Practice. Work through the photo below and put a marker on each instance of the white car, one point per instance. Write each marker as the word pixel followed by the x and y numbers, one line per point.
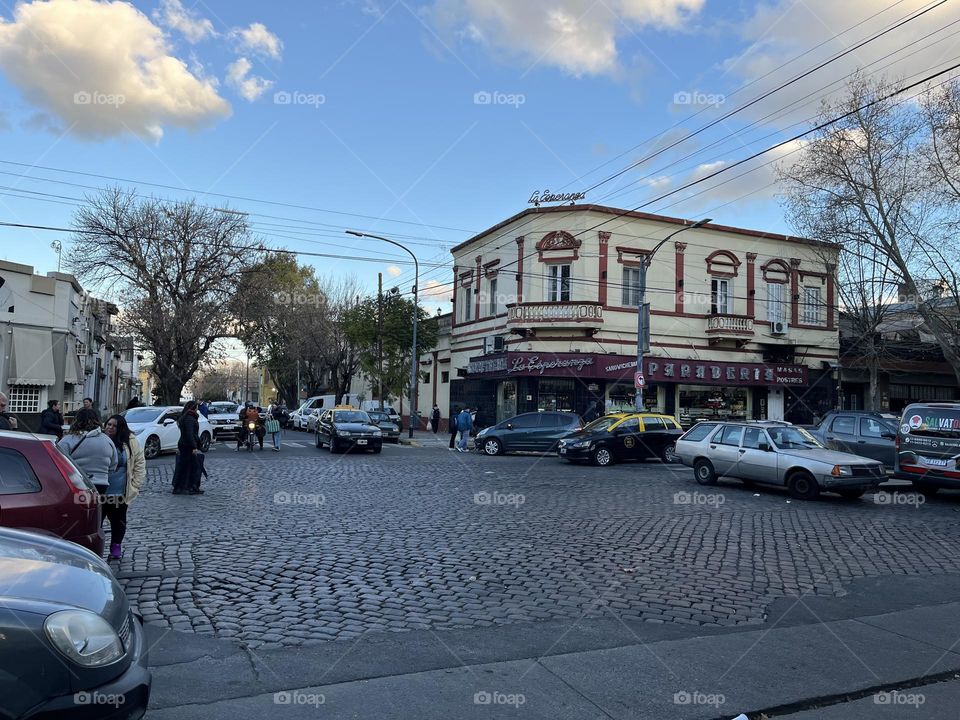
pixel 224 417
pixel 157 430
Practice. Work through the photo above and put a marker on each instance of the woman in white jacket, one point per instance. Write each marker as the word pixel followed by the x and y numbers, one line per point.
pixel 125 481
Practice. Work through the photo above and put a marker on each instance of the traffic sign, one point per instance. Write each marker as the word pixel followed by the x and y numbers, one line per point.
pixel 639 381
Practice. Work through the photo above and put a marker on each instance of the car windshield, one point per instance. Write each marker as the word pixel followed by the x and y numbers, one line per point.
pixel 142 415
pixel 350 416
pixel 933 422
pixel 224 407
pixel 601 424
pixel 378 416
pixel 792 438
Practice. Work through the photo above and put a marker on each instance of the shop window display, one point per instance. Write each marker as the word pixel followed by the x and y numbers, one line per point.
pixel 712 404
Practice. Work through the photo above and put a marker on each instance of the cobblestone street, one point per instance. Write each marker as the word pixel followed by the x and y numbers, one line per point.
pixel 306 547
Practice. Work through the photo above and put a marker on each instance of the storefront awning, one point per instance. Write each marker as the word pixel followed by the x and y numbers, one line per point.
pixel 72 371
pixel 31 362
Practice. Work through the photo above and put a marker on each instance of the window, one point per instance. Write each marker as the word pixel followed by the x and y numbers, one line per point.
pixel 24 399
pixel 558 283
pixel 843 425
pixel 530 420
pixel 630 425
pixel 872 428
pixel 445 376
pixel 811 305
pixel 721 302
pixel 731 435
pixel 16 476
pixel 493 301
pixel 426 378
pixel 775 307
pixel 699 432
pixel 466 302
pixel 631 287
pixel 752 437
pixel 652 424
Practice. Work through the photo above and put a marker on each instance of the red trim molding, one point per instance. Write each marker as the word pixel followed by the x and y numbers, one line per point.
pixel 679 252
pixel 773 269
pixel 453 299
pixel 831 296
pixel 476 289
pixel 723 263
pixel 751 284
pixel 602 280
pixel 634 256
pixel 794 291
pixel 558 241
pixel 519 242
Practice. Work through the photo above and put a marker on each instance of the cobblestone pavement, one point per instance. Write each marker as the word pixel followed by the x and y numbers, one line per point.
pixel 300 549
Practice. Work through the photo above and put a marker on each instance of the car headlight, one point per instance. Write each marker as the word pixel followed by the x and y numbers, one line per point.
pixel 343 433
pixel 377 433
pixel 84 638
pixel 579 444
pixel 841 471
pixel 139 431
pixel 482 432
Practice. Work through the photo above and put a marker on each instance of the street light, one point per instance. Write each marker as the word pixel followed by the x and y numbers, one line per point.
pixel 414 358
pixel 643 310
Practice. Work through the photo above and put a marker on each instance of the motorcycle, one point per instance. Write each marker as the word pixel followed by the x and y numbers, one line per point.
pixel 251 435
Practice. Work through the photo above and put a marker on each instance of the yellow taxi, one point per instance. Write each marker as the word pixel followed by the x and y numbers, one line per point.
pixel 623 436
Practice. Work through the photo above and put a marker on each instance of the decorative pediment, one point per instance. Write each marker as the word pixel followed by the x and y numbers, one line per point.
pixel 559 240
pixel 722 263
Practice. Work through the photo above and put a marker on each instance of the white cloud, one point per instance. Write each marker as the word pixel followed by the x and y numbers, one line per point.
pixel 249 86
pixel 394 271
pixel 436 289
pixel 103 69
pixel 578 36
pixel 257 39
pixel 172 14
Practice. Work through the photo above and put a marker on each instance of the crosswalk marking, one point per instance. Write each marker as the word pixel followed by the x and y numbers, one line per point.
pixel 293 444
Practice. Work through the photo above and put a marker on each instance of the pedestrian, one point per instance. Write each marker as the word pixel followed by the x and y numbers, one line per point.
pixel 204 408
pixel 435 418
pixel 51 420
pixel 7 421
pixel 464 425
pixel 273 427
pixel 90 449
pixel 124 482
pixel 187 447
pixel 452 429
pixel 88 405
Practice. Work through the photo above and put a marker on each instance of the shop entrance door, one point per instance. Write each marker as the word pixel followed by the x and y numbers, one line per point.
pixel 507 400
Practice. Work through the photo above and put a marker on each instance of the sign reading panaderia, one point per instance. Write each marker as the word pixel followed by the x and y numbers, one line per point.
pixel 548 197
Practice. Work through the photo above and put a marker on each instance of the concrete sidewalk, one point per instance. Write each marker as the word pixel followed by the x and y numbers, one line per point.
pixel 895 664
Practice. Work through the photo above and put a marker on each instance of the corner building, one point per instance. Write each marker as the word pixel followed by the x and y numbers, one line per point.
pixel 743 323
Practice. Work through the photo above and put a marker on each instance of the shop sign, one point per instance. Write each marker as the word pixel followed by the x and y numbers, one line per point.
pixel 481 367
pixel 692 372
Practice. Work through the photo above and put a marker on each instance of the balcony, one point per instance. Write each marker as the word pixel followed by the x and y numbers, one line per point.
pixel 573 314
pixel 739 327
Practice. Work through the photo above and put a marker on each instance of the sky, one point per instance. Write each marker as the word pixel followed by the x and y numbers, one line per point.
pixel 424 120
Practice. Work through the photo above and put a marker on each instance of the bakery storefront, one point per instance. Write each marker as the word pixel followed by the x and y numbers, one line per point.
pixel 507 384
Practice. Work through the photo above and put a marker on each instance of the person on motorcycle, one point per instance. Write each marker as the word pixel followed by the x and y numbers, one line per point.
pixel 249 414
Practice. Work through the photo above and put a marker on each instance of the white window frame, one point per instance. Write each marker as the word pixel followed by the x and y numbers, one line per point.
pixel 493 300
pixel 776 307
pixel 631 287
pixel 555 285
pixel 812 302
pixel 721 288
pixel 466 313
pixel 24 398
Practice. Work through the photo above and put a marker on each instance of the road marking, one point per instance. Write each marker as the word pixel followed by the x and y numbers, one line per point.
pixel 293 444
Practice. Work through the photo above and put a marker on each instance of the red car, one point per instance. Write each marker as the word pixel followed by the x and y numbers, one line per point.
pixel 43 491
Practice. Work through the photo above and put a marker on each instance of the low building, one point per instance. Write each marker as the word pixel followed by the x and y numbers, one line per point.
pixel 743 323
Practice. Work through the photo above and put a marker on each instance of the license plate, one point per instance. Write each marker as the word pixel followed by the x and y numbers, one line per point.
pixel 563 451
pixel 361 442
pixel 936 462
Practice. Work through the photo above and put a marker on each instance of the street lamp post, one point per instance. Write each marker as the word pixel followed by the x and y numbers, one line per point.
pixel 643 309
pixel 414 358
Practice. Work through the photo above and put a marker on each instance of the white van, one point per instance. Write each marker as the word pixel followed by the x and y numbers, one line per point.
pixel 313 406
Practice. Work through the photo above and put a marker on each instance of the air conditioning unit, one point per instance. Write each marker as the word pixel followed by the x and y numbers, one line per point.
pixel 499 344
pixel 779 327
pixel 493 344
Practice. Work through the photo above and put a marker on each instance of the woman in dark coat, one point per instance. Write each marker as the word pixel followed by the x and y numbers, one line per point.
pixel 187 448
pixel 51 421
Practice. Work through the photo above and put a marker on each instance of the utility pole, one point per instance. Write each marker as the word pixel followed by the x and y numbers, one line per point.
pixel 380 336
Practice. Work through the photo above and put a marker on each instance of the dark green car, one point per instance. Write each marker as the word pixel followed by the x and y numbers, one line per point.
pixel 388 426
pixel 537 431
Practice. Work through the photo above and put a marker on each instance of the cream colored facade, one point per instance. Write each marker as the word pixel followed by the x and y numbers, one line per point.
pixel 560 284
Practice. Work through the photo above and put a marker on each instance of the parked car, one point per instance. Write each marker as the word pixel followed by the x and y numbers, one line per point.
pixel 224 419
pixel 787 456
pixel 535 431
pixel 42 490
pixel 623 436
pixel 348 429
pixel 868 434
pixel 71 645
pixel 374 405
pixel 928 446
pixel 157 429
pixel 388 426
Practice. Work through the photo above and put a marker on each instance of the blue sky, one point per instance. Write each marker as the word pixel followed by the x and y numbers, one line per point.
pixel 383 118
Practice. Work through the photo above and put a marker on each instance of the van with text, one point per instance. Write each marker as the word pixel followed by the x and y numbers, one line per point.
pixel 928 446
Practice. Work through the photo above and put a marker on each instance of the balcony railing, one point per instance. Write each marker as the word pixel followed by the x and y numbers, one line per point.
pixel 738 325
pixel 579 314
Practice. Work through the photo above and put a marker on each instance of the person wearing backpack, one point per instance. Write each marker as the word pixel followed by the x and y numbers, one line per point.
pixel 90 449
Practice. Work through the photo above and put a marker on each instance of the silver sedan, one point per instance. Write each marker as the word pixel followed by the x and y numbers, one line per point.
pixel 785 456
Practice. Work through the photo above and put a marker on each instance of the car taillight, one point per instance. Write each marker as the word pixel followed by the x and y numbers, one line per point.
pixel 897 444
pixel 78 484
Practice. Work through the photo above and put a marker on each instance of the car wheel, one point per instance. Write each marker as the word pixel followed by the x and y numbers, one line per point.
pixel 669 453
pixel 205 442
pixel 332 447
pixel 803 486
pixel 851 494
pixel 317 441
pixel 928 491
pixel 601 456
pixel 151 448
pixel 492 446
pixel 704 472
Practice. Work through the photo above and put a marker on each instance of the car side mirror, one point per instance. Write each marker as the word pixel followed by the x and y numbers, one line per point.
pixel 887 435
pixel 509 426
pixel 765 447
pixel 168 421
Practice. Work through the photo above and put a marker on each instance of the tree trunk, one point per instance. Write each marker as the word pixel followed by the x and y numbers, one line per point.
pixel 872 400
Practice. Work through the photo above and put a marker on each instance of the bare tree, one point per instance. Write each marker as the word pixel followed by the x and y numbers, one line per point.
pixel 863 183
pixel 175 266
pixel 331 344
